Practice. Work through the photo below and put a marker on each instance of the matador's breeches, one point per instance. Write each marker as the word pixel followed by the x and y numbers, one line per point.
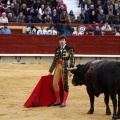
pixel 61 71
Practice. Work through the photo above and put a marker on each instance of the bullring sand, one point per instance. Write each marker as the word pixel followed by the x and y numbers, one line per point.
pixel 16 84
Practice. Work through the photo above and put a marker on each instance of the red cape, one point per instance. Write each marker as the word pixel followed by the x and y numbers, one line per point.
pixel 43 94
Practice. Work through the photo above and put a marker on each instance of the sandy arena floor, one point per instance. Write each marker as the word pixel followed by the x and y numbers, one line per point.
pixel 16 84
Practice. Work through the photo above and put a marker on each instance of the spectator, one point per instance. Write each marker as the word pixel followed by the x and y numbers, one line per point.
pixel 53 3
pixel 72 16
pixel 14 9
pixel 101 17
pixel 93 17
pixel 32 12
pixel 38 19
pixel 59 28
pixel 63 16
pixel 99 3
pixel 84 16
pixel 117 18
pixel 5 30
pixel 3 19
pixel 48 19
pixel 89 28
pixel 111 10
pixel 80 2
pixel 47 12
pixel 107 7
pixel 68 30
pixel 89 11
pixel 77 32
pixel 43 1
pixel 15 6
pixel 78 20
pixel 1 4
pixel 116 5
pixel 8 10
pixel 49 9
pixel 84 5
pixel 99 9
pixel 115 26
pixel 41 10
pixel 37 5
pixel 31 29
pixel 34 29
pixel 89 3
pixel 117 32
pixel 28 3
pixel 11 18
pixel 82 29
pixel 108 19
pixel 42 31
pixel 97 31
pixel 1 9
pixel 28 19
pixel 52 30
pixel 55 16
pixel 106 27
pixel 23 9
pixel 20 18
pixel 67 19
pixel 5 7
pixel 8 3
pixel 61 5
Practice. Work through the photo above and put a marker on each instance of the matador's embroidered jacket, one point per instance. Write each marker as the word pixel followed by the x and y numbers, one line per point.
pixel 66 54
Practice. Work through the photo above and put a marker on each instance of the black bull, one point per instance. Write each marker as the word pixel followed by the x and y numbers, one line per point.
pixel 100 76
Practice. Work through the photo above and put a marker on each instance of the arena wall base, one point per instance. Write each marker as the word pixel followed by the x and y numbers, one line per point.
pixel 48 59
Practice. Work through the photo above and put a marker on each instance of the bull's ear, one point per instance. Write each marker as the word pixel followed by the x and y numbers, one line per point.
pixel 73 71
pixel 78 70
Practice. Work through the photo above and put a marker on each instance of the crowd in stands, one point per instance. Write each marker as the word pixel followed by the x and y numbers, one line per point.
pixel 55 11
pixel 106 12
pixel 58 29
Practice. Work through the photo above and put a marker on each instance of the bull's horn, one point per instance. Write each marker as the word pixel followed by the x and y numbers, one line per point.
pixel 72 68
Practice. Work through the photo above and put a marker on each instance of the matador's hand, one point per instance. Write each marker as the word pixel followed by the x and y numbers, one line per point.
pixel 50 73
pixel 69 74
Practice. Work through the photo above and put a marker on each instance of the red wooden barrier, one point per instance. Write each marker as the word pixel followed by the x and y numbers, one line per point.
pixel 33 44
pixel 16 31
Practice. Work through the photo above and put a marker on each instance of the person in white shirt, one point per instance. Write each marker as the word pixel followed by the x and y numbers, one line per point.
pixel 77 31
pixel 41 10
pixel 42 31
pixel 3 19
pixel 52 30
pixel 106 27
pixel 117 32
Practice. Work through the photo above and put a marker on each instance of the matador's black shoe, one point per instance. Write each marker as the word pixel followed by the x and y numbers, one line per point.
pixel 62 106
pixel 55 104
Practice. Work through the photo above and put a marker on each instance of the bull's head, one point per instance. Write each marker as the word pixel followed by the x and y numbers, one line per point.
pixel 77 75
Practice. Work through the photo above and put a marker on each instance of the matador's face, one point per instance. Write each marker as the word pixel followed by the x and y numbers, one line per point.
pixel 62 42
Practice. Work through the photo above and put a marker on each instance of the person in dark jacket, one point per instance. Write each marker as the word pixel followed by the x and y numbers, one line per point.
pixel 97 31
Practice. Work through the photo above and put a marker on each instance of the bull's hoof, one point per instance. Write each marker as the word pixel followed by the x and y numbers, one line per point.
pixel 90 111
pixel 118 115
pixel 108 112
pixel 114 117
